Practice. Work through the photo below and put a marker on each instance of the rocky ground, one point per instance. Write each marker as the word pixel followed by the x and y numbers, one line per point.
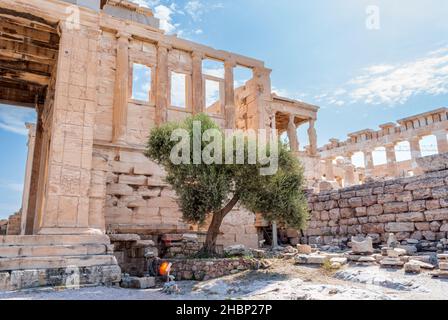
pixel 284 280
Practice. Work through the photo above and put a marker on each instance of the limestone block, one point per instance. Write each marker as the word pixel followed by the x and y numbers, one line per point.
pixel 347 213
pixel 434 226
pixel 433 163
pixel 375 210
pixel 384 218
pixel 386 198
pixel 411 267
pixel 149 192
pixel 149 168
pixel 162 202
pixel 132 180
pixel 361 211
pixel 334 214
pixel 425 183
pixel 138 283
pixel 304 249
pixel 355 202
pixel 443 265
pixel 423 265
pixel 437 215
pixel 392 262
pixel 121 167
pixel 429 235
pixel 394 188
pixel 395 207
pixel 120 190
pixel 157 181
pixel 400 227
pixel 418 205
pixel 124 237
pixel 361 245
pixel 421 194
pixel 439 193
pixel 311 259
pixel 373 228
pixel 410 217
pixel 422 226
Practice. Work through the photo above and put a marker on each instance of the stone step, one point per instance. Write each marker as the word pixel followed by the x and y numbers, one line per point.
pixel 55 250
pixel 45 240
pixel 24 263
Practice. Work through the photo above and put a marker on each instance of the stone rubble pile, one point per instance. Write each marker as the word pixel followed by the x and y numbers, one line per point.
pixel 178 246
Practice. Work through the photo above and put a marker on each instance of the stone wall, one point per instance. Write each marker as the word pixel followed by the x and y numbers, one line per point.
pixel 202 270
pixel 3 227
pixel 411 208
pixel 14 224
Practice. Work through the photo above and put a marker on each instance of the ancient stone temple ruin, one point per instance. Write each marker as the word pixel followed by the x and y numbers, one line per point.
pixel 75 63
pixel 405 135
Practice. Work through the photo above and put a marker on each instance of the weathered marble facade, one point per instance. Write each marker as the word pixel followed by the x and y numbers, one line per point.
pixel 73 61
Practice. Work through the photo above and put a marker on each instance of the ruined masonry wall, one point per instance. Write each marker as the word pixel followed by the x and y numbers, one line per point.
pixel 414 207
pixel 138 199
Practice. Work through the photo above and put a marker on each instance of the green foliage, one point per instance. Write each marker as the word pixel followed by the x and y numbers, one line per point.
pixel 204 189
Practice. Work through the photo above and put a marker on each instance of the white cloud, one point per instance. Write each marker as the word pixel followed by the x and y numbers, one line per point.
pixel 164 14
pixel 13 119
pixel 195 9
pixel 395 84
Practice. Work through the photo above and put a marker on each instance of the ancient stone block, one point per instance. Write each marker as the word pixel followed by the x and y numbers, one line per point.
pixel 385 198
pixel 395 207
pixel 419 205
pixel 347 213
pixel 375 210
pixel 373 228
pixel 400 227
pixel 410 217
pixel 120 190
pixel 437 215
pixel 361 211
pixel 355 202
pixel 441 192
pixel 386 218
pixel 425 184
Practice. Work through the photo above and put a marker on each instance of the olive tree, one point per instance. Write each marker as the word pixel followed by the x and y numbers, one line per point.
pixel 212 190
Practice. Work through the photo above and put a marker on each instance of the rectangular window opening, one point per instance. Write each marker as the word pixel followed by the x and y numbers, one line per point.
pixel 141 82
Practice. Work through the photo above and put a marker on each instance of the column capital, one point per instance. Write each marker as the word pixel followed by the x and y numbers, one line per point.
pixel 230 63
pixel 123 35
pixel 164 45
pixel 262 71
pixel 198 55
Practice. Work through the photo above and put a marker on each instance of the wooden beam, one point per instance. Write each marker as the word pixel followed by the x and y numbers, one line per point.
pixel 15 27
pixel 38 21
pixel 19 51
pixel 33 78
pixel 16 96
pixel 28 66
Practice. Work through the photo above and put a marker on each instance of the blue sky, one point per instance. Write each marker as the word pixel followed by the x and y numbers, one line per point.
pixel 361 71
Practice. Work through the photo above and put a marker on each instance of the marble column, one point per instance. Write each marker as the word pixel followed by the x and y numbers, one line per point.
pixel 442 141
pixel 197 87
pixel 121 89
pixel 391 157
pixel 415 151
pixel 368 162
pixel 292 135
pixel 349 171
pixel 312 135
pixel 230 112
pixel 162 83
pixel 28 173
pixel 329 170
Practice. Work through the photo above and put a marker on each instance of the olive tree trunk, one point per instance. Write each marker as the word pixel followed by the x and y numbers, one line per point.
pixel 213 230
